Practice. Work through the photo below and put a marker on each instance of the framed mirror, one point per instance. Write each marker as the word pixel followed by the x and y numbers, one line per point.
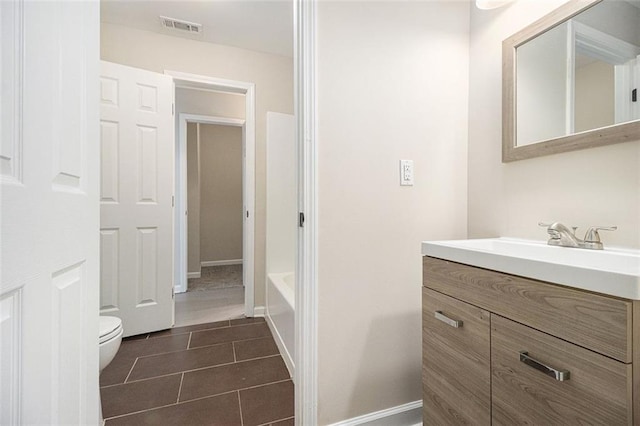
pixel 570 80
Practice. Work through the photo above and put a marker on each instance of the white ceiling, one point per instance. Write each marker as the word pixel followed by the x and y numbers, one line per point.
pixel 265 25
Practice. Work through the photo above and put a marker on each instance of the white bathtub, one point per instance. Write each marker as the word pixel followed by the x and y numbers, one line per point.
pixel 280 313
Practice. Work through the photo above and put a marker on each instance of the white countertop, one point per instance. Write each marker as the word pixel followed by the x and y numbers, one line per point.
pixel 615 272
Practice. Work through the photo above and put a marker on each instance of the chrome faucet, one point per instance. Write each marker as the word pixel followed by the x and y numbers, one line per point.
pixel 560 235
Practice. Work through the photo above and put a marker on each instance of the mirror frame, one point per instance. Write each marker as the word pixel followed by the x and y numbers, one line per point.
pixel 616 133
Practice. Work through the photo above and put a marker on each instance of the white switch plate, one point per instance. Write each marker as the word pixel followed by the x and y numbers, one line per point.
pixel 406 172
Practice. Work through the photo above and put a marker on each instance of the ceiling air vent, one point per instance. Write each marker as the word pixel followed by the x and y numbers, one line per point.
pixel 176 24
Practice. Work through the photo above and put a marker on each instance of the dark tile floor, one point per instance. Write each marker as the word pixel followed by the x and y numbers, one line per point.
pixel 223 373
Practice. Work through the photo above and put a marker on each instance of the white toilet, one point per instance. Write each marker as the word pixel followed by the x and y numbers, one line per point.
pixel 109 343
pixel 110 339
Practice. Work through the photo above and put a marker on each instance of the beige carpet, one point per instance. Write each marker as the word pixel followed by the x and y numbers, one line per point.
pixel 217 277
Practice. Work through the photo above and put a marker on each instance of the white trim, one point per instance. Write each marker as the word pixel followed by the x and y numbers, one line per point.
pixel 306 293
pixel 194 275
pixel 207 119
pixel 259 311
pixel 193 81
pixel 602 46
pixel 286 356
pixel 570 110
pixel 206 263
pixel 411 411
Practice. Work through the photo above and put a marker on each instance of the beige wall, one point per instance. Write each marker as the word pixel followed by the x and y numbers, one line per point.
pixel 595 96
pixel 591 187
pixel 193 199
pixel 392 84
pixel 272 74
pixel 220 192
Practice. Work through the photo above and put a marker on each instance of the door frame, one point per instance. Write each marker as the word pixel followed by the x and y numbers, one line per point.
pixel 182 193
pixel 193 81
pixel 306 287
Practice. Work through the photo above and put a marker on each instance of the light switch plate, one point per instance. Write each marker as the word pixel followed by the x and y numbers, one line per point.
pixel 406 172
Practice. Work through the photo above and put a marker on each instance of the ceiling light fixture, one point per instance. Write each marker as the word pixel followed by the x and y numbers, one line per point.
pixel 491 4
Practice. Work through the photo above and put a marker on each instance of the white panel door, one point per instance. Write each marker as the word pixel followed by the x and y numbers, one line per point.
pixel 136 197
pixel 49 180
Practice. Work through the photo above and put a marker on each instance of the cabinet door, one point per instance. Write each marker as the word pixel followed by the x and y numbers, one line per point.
pixel 595 390
pixel 456 374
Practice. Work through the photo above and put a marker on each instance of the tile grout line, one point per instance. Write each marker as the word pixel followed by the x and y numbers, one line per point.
pixel 130 371
pixel 167 405
pixel 140 380
pixel 277 420
pixel 233 347
pixel 149 337
pixel 180 388
pixel 195 369
pixel 240 407
pixel 207 396
pixel 189 342
pixel 239 340
pixel 229 325
pixel 235 390
pixel 139 411
pixel 266 384
pixel 187 348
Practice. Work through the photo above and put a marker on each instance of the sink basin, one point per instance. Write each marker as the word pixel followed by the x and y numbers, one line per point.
pixel 615 272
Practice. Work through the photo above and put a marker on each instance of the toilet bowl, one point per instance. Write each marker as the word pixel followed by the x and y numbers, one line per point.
pixel 109 343
pixel 109 340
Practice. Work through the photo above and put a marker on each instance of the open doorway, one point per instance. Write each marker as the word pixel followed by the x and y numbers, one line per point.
pixel 214 289
pixel 224 98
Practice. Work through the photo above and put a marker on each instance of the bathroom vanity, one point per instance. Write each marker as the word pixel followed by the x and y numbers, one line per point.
pixel 518 332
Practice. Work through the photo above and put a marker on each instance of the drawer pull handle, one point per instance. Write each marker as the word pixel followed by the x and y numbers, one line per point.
pixel 559 375
pixel 445 319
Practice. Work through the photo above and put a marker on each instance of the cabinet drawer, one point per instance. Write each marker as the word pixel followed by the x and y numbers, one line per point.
pixel 596 391
pixel 597 322
pixel 455 362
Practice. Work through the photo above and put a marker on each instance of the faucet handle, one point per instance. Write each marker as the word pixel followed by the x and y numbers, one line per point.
pixel 592 235
pixel 549 225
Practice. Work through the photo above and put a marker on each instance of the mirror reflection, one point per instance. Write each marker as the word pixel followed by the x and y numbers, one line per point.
pixel 581 75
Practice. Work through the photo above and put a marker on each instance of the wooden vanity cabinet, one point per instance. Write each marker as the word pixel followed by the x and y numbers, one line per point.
pixel 456 361
pixel 596 391
pixel 496 367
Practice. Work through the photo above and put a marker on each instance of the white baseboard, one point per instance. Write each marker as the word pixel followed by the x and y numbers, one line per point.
pixel 193 275
pixel 409 414
pixel 258 311
pixel 221 262
pixel 286 356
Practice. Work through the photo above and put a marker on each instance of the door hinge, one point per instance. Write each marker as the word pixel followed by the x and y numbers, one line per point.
pixel 173 109
pixel 247 213
pixel 173 293
pixel 634 95
pixel 301 220
pixel 173 201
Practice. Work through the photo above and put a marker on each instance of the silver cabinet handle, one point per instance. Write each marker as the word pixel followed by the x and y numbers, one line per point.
pixel 445 319
pixel 559 375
